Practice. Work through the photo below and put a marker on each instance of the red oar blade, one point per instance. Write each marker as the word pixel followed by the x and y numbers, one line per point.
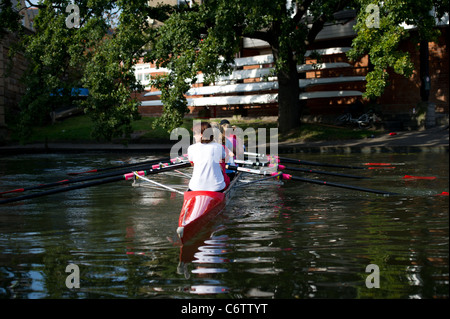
pixel 419 177
pixel 19 190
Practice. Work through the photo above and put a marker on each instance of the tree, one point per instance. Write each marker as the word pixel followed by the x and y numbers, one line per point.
pixel 93 45
pixel 380 29
pixel 200 38
pixel 192 41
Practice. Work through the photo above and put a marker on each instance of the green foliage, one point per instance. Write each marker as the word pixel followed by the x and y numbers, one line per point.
pixel 113 35
pixel 382 42
pixel 108 73
pixel 9 17
pixel 188 44
pixel 289 31
pixel 93 55
pixel 206 39
pixel 44 80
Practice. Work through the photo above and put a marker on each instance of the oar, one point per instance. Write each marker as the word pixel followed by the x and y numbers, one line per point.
pixel 83 179
pixel 127 176
pixel 419 177
pixel 305 170
pixel 96 170
pixel 383 164
pixel 297 161
pixel 319 182
pixel 261 171
pixel 307 180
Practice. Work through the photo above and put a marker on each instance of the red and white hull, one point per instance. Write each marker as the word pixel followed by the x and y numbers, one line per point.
pixel 200 208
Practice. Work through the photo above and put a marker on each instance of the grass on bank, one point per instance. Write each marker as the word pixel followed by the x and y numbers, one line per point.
pixel 78 129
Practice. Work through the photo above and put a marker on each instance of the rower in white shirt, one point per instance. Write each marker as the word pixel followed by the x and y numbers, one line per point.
pixel 207 158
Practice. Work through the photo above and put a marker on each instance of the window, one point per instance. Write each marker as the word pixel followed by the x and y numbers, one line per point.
pixel 185 2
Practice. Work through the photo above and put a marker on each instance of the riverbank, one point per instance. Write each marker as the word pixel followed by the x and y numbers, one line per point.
pixel 430 140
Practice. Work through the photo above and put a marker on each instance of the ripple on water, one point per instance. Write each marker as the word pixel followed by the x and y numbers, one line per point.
pixel 292 241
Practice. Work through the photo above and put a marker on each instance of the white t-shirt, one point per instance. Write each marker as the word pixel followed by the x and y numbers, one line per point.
pixel 207 174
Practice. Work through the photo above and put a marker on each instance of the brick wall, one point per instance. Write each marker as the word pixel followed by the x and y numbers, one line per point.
pixel 403 94
pixel 11 88
pixel 330 107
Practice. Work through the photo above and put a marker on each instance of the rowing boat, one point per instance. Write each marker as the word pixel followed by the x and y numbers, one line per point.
pixel 200 207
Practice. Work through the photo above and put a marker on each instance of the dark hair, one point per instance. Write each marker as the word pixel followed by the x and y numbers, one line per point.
pixel 224 125
pixel 204 126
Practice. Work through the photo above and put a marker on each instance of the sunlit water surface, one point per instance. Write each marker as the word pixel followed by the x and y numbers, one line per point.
pixel 295 240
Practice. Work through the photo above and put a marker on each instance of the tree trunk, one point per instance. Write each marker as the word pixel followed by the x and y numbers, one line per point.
pixel 424 71
pixel 289 106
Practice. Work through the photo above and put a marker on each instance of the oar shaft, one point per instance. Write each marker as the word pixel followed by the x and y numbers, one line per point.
pixel 286 160
pixel 110 179
pixel 268 171
pixel 122 166
pixel 61 189
pixel 296 161
pixel 81 179
pixel 305 170
pixel 307 180
pixel 319 182
pixel 20 190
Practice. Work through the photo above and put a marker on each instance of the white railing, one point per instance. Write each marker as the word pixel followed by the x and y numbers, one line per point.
pixel 264 85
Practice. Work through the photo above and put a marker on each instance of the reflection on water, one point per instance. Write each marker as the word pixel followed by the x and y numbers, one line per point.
pixel 294 240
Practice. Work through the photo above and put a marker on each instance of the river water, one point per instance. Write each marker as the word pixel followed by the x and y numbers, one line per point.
pixel 291 241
